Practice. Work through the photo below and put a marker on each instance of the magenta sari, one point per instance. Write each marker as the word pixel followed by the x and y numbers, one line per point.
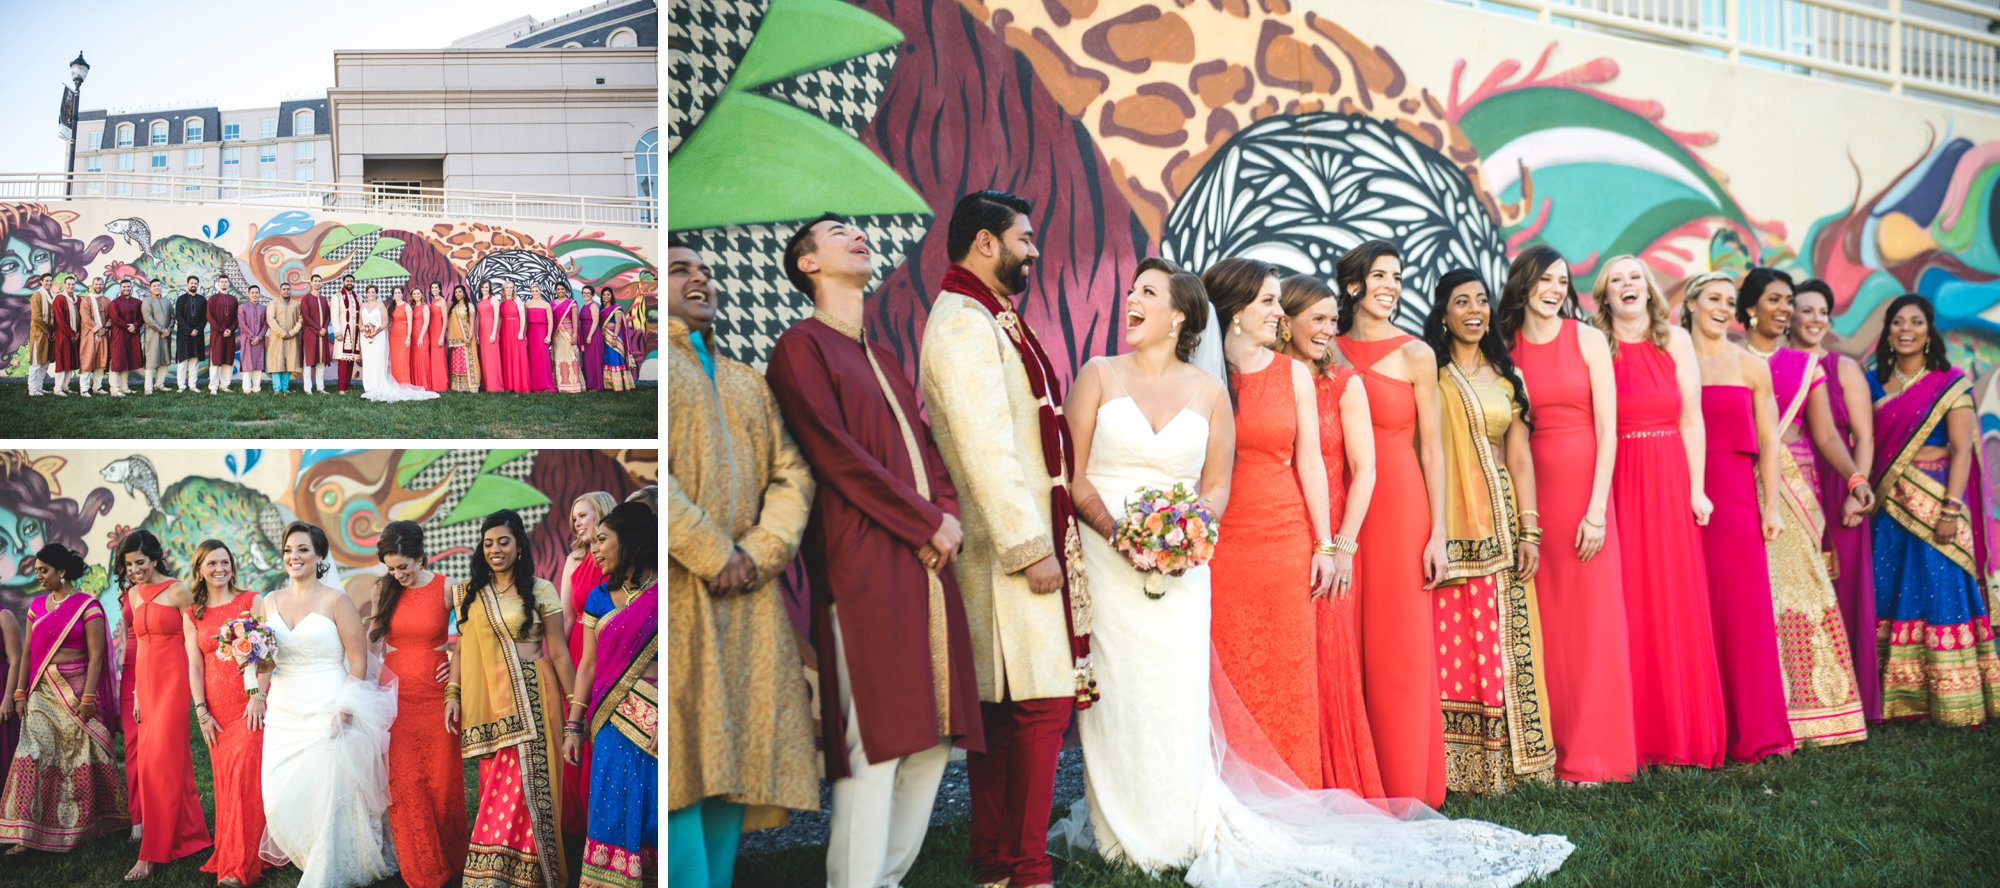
pixel 1849 552
pixel 63 786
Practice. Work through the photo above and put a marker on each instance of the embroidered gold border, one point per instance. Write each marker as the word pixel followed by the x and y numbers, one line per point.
pixel 1477 558
pixel 1914 499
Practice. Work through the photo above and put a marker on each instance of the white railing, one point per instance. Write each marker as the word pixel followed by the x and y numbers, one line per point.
pixel 1894 44
pixel 439 203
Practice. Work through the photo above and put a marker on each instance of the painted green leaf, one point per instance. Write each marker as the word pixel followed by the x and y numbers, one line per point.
pixel 341 236
pixel 378 267
pixel 385 244
pixel 491 493
pixel 742 166
pixel 414 461
pixel 797 36
pixel 497 458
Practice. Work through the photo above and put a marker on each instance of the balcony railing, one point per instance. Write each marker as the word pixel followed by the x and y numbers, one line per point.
pixel 438 203
pixel 1898 44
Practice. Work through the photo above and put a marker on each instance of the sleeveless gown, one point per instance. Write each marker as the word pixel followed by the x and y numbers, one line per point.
pixel 427 797
pixel 399 353
pixel 1851 552
pixel 172 807
pixel 492 357
pixel 237 759
pixel 325 784
pixel 1263 610
pixel 513 349
pixel 541 360
pixel 1583 610
pixel 1676 686
pixel 1346 748
pixel 1739 581
pixel 1398 663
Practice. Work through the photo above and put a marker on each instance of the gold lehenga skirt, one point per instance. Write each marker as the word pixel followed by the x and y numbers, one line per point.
pixel 1820 693
pixel 64 786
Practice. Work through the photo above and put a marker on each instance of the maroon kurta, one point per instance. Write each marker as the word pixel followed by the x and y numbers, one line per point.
pixel 868 521
pixel 312 330
pixel 127 320
pixel 221 329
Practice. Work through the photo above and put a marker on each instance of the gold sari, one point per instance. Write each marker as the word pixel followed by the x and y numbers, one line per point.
pixel 511 713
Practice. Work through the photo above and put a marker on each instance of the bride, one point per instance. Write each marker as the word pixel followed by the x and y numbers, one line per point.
pixel 376 383
pixel 1175 772
pixel 326 729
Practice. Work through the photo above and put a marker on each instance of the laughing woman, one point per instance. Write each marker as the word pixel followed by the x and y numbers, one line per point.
pixel 618 370
pixel 462 339
pixel 62 785
pixel 235 745
pixel 1931 562
pixel 168 805
pixel 509 709
pixel 618 676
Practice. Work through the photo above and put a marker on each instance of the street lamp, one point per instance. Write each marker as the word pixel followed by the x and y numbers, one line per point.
pixel 78 70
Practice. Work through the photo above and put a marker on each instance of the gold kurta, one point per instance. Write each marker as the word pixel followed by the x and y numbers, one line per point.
pixel 41 327
pixel 739 723
pixel 281 343
pixel 987 425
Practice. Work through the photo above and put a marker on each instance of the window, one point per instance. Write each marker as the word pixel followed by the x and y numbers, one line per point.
pixel 157 189
pixel 93 164
pixel 232 132
pixel 94 188
pixel 302 152
pixel 232 161
pixel 125 135
pixel 267 128
pixel 95 139
pixel 302 122
pixel 268 175
pixel 159 160
pixel 193 130
pixel 125 162
pixel 304 174
pixel 193 161
pixel 190 189
pixel 623 38
pixel 572 45
pixel 159 129
pixel 646 163
pixel 267 154
pixel 122 189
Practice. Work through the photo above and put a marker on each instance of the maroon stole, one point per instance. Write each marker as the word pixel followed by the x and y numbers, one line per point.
pixel 1058 457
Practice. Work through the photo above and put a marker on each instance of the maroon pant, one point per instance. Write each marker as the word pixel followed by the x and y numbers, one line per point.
pixel 1013 786
pixel 345 370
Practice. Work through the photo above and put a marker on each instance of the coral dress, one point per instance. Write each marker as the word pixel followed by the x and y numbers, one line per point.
pixel 1261 576
pixel 1398 667
pixel 439 377
pixel 1676 686
pixel 541 361
pixel 236 761
pixel 399 348
pixel 513 348
pixel 492 359
pixel 427 779
pixel 1589 662
pixel 1346 748
pixel 1739 581
pixel 173 818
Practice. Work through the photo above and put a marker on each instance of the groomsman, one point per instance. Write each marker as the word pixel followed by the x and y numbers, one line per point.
pixel 221 335
pixel 314 315
pixel 41 334
pixel 997 412
pixel 158 341
pixel 739 726
pixel 127 322
pixel 896 680
pixel 190 319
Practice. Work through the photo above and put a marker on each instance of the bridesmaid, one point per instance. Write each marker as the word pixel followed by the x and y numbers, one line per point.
pixel 541 339
pixel 1489 637
pixel 409 616
pixel 235 744
pixel 1576 415
pixel 619 373
pixel 580 574
pixel 1821 695
pixel 1659 497
pixel 401 336
pixel 252 325
pixel 568 357
pixel 93 338
pixel 492 360
pixel 617 694
pixel 169 806
pixel 590 320
pixel 421 337
pixel 438 376
pixel 1741 420
pixel 514 340
pixel 1347 445
pixel 462 341
pixel 1400 552
pixel 1849 547
pixel 13 662
pixel 1276 554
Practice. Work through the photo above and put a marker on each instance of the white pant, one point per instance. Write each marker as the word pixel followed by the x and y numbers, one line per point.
pixel 881 811
pixel 38 376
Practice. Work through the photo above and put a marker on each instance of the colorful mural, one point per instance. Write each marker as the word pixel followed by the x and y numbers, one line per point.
pixel 286 248
pixel 89 500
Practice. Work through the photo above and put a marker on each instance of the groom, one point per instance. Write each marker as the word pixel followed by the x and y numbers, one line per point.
pixel 997 414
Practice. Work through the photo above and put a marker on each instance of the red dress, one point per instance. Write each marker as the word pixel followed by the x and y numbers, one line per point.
pixel 173 818
pixel 237 758
pixel 399 350
pixel 1398 666
pixel 492 363
pixel 1261 576
pixel 128 690
pixel 1676 686
pixel 1583 610
pixel 427 777
pixel 439 377
pixel 576 778
pixel 1346 748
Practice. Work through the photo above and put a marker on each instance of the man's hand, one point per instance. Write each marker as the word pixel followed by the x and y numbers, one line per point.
pixel 1044 576
pixel 736 575
pixel 943 545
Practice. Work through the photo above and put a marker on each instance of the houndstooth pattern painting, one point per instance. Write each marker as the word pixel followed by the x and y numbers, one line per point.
pixel 845 94
pixel 1300 191
pixel 462 466
pixel 358 250
pixel 705 40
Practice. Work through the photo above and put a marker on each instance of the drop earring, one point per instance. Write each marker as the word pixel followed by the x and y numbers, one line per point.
pixel 1236 327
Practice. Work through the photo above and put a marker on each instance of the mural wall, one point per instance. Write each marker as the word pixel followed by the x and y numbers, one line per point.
pixel 1291 131
pixel 285 248
pixel 89 500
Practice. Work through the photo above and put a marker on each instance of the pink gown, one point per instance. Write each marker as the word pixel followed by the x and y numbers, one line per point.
pixel 1739 581
pixel 513 349
pixel 1852 556
pixel 1676 687
pixel 541 361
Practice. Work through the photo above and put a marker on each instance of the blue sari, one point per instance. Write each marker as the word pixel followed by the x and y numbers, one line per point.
pixel 622 839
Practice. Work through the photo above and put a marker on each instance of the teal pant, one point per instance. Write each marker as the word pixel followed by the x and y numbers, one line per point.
pixel 701 844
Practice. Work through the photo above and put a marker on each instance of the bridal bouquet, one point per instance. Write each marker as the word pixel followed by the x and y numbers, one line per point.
pixel 1166 532
pixel 249 644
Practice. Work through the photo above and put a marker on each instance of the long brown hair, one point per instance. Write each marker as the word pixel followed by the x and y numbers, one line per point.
pixel 1233 284
pixel 1298 293
pixel 1656 304
pixel 1511 314
pixel 405 538
pixel 198 582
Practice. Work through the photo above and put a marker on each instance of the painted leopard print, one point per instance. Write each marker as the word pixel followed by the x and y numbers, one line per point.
pixel 465 243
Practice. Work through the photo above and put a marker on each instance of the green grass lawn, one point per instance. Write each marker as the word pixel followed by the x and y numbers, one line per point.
pixel 1914 805
pixel 180 415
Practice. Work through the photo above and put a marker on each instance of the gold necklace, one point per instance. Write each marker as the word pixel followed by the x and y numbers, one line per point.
pixel 1765 355
pixel 1906 381
pixel 1476 367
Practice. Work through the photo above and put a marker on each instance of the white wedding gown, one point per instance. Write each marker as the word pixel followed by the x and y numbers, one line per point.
pixel 376 382
pixel 326 784
pixel 1163 787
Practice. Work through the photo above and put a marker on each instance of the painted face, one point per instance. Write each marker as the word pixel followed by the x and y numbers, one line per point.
pixel 604 548
pixel 842 249
pixel 499 548
pixel 1313 328
pixel 1713 309
pixel 1625 289
pixel 1909 331
pixel 20 538
pixel 583 519
pixel 1382 288
pixel 219 569
pixel 22 267
pixel 1259 319
pixel 690 289
pixel 1468 312
pixel 1017 256
pixel 1810 318
pixel 1546 299
pixel 403 568
pixel 301 561
pixel 1773 312
pixel 1149 310
pixel 138 566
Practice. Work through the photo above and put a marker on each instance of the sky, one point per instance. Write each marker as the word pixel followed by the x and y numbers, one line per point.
pixel 224 53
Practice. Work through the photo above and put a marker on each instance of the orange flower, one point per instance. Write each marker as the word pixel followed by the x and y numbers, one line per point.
pixel 241 646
